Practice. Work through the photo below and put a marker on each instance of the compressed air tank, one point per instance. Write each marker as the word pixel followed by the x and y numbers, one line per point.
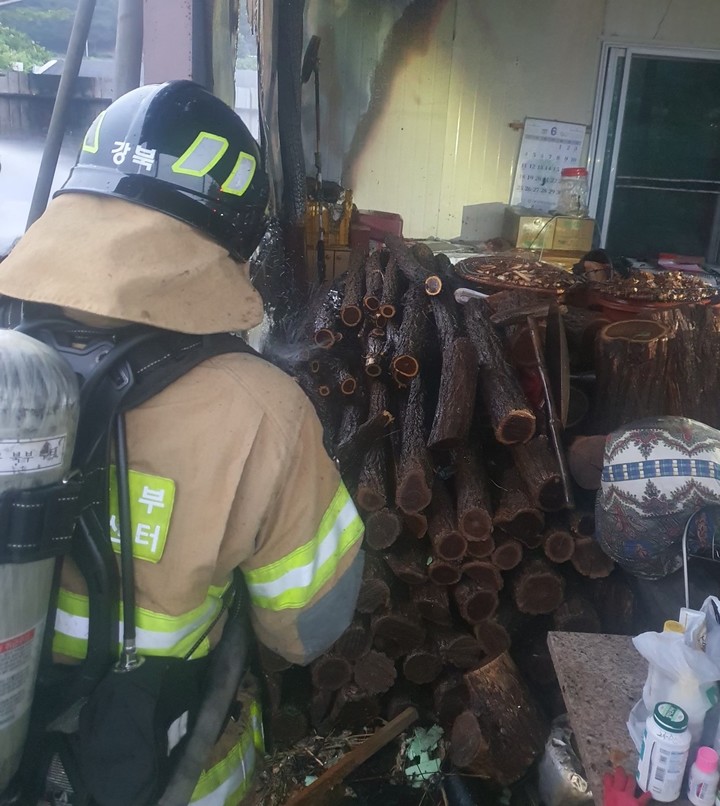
pixel 39 408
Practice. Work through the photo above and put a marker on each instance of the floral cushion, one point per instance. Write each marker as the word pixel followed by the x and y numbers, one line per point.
pixel 656 474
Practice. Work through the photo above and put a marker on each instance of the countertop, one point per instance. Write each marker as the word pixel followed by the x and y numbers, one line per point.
pixel 601 678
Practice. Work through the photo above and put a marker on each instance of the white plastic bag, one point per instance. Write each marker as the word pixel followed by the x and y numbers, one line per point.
pixel 679 674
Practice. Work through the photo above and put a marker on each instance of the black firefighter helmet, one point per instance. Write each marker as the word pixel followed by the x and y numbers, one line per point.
pixel 178 149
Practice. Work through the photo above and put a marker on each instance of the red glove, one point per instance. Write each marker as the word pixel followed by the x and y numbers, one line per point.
pixel 619 790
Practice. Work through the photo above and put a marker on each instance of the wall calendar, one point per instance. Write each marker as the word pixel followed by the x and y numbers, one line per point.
pixel 546 148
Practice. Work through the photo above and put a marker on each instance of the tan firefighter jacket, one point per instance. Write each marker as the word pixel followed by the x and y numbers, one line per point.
pixel 228 467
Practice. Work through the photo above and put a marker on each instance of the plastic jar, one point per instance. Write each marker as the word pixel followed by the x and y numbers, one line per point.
pixel 704 777
pixel 664 752
pixel 573 192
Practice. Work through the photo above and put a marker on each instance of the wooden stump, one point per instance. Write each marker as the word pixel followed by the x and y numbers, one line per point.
pixel 492 637
pixel 409 564
pixel 502 733
pixel 631 373
pixel 485 574
pixel 355 641
pixel 451 696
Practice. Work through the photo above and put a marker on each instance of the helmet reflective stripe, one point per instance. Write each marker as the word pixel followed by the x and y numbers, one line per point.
pixel 91 143
pixel 202 156
pixel 241 177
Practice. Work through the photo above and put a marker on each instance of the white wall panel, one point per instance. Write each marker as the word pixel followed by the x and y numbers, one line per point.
pixel 443 139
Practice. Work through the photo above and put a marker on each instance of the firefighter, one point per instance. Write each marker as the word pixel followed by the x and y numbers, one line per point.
pixel 155 227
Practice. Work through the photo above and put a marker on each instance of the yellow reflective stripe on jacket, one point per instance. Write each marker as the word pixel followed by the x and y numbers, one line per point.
pixel 156 633
pixel 227 783
pixel 293 580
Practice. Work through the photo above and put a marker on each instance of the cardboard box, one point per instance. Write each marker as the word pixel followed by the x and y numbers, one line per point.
pixel 527 229
pixel 573 234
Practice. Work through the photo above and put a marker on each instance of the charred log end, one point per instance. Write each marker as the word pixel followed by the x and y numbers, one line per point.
pixel 477 525
pixel 492 637
pixel 467 743
pixel 441 573
pixel 642 330
pixel 422 667
pixel 552 495
pixel 370 500
pixel 331 673
pixel 375 673
pixel 325 338
pixel 348 386
pixel 414 494
pixel 590 560
pixel 382 529
pixel 517 426
pixel 480 606
pixel 324 390
pixel 373 368
pixel 508 556
pixel 351 315
pixel 559 546
pixel 315 366
pixel 486 575
pixel 480 549
pixel 374 594
pixel 452 546
pixel 405 366
pixel 540 594
pixel 388 311
pixel 433 285
pixel 372 304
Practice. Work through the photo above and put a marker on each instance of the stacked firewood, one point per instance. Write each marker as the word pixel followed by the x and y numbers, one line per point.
pixel 442 419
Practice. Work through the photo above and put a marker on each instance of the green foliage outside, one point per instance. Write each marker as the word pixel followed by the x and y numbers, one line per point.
pixel 48 22
pixel 18 47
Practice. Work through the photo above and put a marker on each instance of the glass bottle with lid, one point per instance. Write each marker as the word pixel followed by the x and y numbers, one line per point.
pixel 573 192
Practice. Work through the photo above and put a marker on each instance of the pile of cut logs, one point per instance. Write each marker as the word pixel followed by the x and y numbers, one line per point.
pixel 450 427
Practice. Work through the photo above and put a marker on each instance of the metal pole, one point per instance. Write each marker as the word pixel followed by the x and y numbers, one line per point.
pixel 128 46
pixel 56 130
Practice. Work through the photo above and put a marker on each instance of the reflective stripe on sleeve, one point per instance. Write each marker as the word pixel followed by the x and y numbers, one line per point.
pixel 227 783
pixel 293 580
pixel 156 633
